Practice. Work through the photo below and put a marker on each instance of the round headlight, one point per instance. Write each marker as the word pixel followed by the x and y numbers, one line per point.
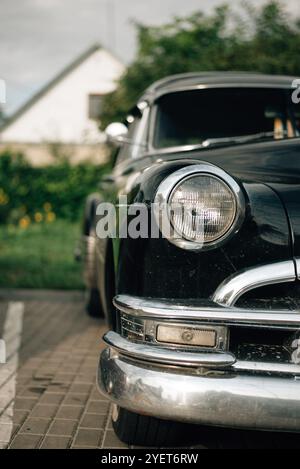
pixel 202 208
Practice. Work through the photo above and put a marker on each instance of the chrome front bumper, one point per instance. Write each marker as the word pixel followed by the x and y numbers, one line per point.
pixel 230 400
pixel 203 387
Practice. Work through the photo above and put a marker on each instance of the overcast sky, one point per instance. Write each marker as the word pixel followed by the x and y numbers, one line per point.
pixel 40 37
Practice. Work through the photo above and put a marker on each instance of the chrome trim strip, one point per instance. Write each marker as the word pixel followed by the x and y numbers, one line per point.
pixel 240 283
pixel 156 354
pixel 231 400
pixel 297 261
pixel 207 359
pixel 165 190
pixel 264 367
pixel 167 310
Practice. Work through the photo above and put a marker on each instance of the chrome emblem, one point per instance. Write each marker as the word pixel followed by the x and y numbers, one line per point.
pixel 187 336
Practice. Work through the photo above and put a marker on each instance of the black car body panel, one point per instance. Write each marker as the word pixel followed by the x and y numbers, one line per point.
pixel 248 285
pixel 290 196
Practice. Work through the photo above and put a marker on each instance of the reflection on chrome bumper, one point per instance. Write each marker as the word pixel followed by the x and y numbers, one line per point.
pixel 166 356
pixel 218 399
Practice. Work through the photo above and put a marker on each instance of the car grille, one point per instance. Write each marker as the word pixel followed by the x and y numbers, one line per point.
pixel 262 345
pixel 132 328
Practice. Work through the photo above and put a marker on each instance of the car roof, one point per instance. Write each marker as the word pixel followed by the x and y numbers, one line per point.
pixel 219 79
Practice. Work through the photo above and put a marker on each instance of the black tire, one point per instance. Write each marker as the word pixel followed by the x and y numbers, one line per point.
pixel 93 300
pixel 93 303
pixel 141 430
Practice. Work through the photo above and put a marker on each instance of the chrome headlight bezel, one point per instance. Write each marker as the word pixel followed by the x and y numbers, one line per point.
pixel 173 181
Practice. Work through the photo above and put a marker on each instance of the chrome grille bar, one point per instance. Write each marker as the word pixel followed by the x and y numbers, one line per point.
pixel 144 308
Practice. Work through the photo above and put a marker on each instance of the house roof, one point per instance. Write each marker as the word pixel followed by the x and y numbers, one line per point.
pixel 51 84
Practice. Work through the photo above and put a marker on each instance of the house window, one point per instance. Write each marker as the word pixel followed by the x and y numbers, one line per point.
pixel 95 106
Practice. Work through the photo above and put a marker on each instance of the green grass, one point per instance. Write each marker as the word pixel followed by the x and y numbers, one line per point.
pixel 40 256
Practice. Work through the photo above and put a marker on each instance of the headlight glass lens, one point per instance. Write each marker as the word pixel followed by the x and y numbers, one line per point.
pixel 202 208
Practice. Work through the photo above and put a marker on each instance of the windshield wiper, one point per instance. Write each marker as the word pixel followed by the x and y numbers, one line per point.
pixel 240 138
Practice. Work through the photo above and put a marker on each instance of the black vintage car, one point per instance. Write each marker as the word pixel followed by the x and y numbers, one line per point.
pixel 203 325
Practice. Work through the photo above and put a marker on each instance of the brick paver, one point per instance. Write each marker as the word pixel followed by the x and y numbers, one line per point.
pixel 57 404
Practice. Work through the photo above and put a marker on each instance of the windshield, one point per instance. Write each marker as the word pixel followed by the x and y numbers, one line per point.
pixel 197 116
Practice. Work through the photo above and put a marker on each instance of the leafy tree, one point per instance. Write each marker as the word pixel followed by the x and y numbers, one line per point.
pixel 263 40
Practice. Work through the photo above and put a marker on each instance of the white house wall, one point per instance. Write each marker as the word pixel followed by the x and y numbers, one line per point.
pixel 61 115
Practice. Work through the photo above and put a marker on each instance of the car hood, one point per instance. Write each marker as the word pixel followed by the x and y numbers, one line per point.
pixel 272 161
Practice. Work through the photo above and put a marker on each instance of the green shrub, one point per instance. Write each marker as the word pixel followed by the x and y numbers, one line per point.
pixel 30 193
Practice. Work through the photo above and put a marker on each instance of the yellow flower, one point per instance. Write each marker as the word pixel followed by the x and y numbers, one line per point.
pixel 3 197
pixel 47 207
pixel 24 222
pixel 38 217
pixel 50 217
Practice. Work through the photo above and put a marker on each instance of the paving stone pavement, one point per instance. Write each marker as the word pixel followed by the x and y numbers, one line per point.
pixel 57 404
